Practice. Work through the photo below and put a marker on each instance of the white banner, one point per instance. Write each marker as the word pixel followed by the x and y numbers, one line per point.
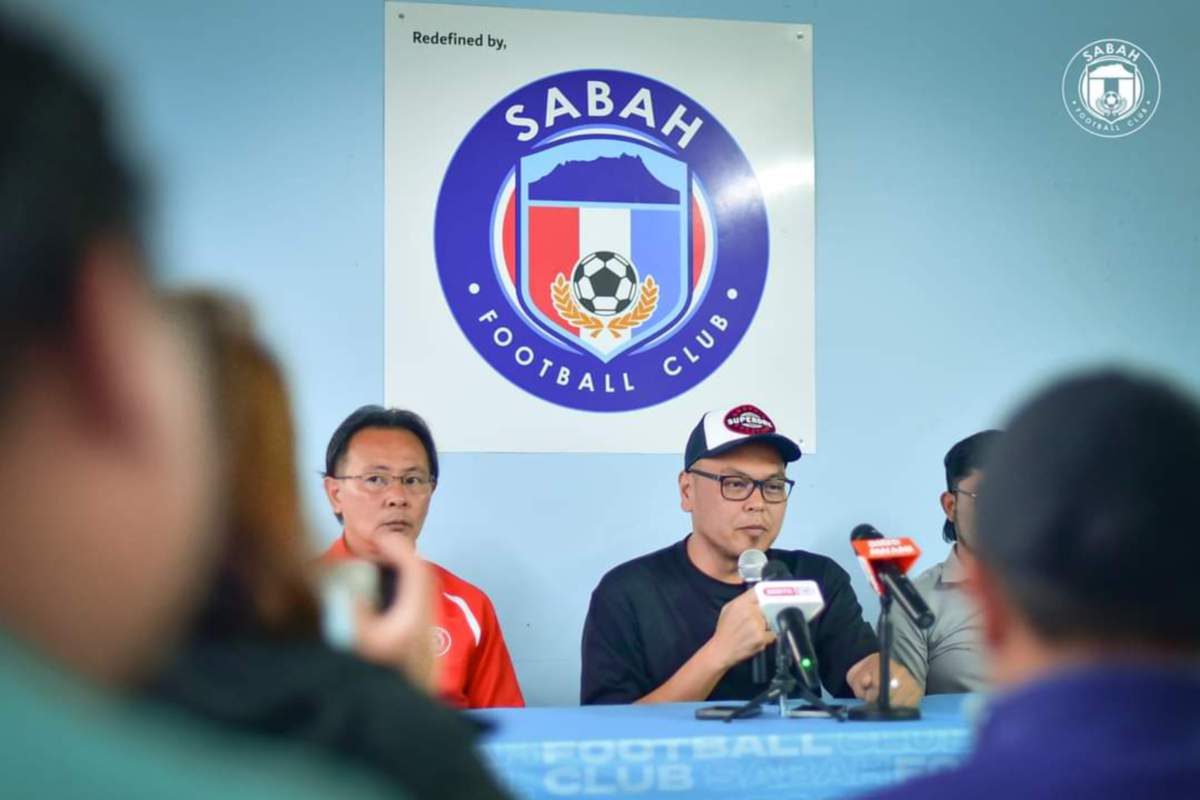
pixel 598 226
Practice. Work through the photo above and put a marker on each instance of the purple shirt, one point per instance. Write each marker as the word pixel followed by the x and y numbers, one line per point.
pixel 1118 732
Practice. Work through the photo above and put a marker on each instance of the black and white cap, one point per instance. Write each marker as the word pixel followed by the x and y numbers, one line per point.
pixel 720 431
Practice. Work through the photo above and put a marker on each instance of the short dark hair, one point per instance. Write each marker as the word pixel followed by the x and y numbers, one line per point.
pixel 63 185
pixel 961 460
pixel 378 417
pixel 967 456
pixel 1082 512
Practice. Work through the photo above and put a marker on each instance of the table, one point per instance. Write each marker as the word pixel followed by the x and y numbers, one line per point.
pixel 663 751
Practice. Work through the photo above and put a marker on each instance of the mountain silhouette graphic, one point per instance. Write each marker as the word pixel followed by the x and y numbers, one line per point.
pixel 608 179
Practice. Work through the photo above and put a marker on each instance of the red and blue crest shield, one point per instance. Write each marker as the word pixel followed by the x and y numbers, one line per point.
pixel 623 205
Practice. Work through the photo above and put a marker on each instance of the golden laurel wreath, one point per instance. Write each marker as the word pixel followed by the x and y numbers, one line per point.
pixel 570 311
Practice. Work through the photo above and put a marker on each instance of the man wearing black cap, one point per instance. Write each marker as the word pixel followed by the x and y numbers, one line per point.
pixel 678 625
pixel 948 656
pixel 1087 585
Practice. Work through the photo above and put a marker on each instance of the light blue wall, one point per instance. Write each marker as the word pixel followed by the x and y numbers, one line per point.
pixel 971 241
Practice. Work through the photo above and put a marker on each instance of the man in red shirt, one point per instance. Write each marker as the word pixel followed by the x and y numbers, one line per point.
pixel 381 469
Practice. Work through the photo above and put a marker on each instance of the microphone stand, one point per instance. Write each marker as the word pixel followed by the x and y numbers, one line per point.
pixel 780 687
pixel 882 709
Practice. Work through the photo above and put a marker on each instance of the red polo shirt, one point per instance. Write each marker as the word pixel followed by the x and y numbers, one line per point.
pixel 475 668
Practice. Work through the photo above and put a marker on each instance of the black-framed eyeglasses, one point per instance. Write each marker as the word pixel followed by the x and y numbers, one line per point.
pixel 379 482
pixel 740 487
pixel 973 495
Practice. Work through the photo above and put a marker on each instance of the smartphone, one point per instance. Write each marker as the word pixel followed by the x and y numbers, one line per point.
pixel 342 587
pixel 807 711
pixel 725 712
pixel 386 593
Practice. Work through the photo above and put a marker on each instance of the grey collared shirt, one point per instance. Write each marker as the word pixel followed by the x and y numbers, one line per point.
pixel 947 657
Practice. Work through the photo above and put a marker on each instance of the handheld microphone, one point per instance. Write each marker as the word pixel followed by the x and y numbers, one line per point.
pixel 886 561
pixel 750 566
pixel 796 636
pixel 788 605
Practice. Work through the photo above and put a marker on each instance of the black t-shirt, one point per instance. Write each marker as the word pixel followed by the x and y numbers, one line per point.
pixel 650 615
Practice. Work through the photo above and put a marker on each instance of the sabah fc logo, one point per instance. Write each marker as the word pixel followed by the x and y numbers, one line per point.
pixel 601 240
pixel 1111 88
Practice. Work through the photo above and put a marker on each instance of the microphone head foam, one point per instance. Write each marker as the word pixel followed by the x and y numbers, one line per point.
pixel 751 563
pixel 864 531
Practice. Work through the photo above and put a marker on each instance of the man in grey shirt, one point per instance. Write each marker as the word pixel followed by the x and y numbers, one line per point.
pixel 948 656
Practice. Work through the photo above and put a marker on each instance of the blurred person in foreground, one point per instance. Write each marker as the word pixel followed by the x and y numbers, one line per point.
pixel 1088 596
pixel 256 661
pixel 108 473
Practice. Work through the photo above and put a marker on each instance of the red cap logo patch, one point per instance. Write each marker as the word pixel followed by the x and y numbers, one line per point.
pixel 748 421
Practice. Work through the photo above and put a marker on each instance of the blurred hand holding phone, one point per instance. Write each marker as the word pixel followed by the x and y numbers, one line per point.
pixel 384 612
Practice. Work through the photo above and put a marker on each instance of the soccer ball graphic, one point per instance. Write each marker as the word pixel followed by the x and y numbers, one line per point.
pixel 604 283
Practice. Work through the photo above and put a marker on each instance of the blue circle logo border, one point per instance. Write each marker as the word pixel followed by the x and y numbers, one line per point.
pixel 501 335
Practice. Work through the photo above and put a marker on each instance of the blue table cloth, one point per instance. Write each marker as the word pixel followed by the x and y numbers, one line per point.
pixel 664 751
